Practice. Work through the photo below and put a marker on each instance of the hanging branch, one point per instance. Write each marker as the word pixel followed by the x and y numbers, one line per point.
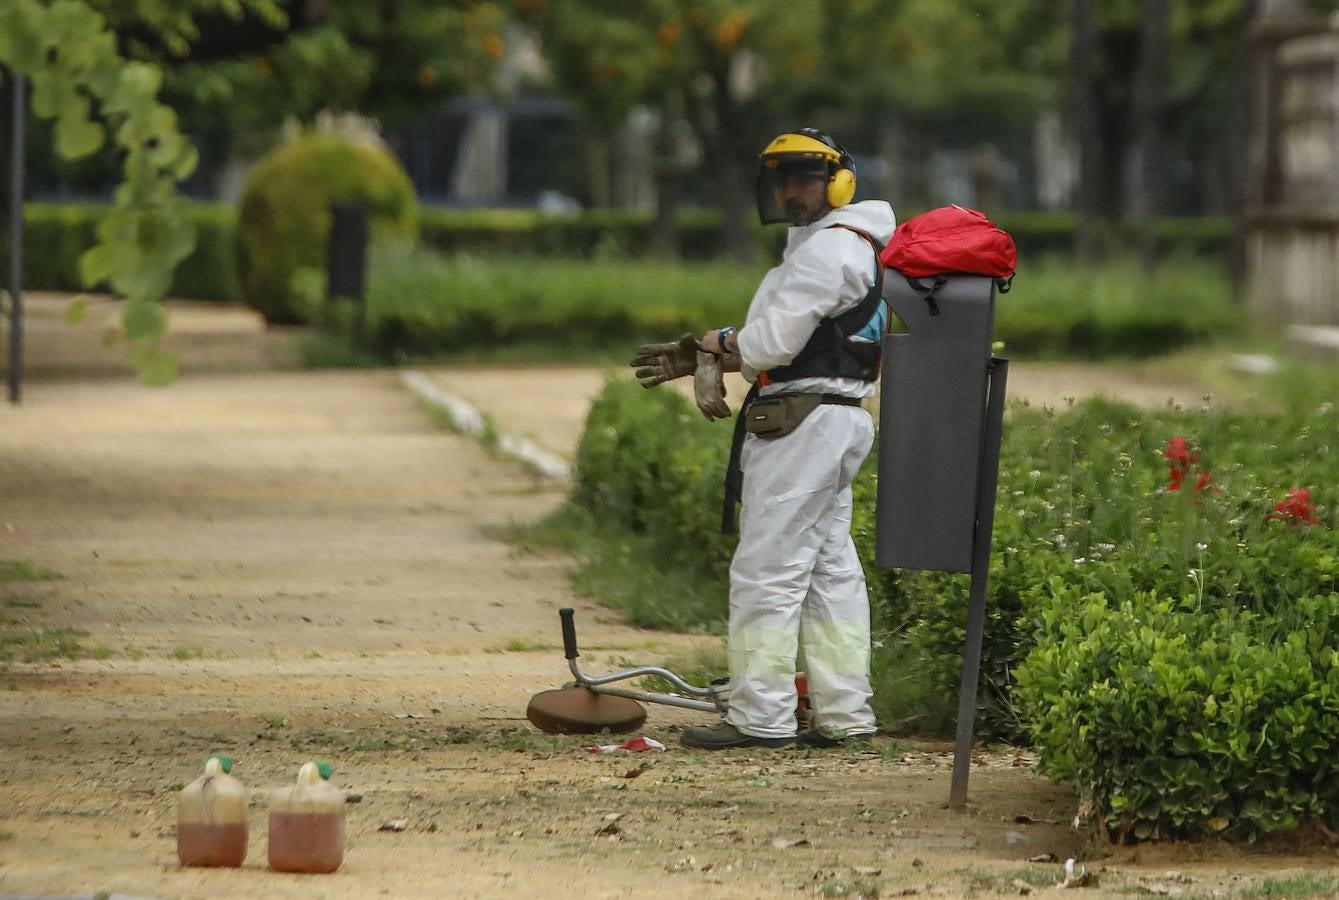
pixel 68 52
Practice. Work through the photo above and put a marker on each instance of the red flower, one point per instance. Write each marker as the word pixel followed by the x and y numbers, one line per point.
pixel 1297 509
pixel 1181 460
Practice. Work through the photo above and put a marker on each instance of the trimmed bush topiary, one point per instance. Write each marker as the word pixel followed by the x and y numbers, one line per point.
pixel 284 221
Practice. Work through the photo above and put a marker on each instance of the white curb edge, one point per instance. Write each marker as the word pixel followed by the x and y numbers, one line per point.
pixel 468 420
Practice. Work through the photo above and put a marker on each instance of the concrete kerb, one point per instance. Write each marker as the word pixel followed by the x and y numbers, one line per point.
pixel 468 420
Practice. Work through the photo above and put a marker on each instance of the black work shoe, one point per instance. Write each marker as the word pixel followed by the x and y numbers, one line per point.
pixel 726 736
pixel 819 740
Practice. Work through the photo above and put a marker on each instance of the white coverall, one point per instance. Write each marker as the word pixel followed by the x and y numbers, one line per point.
pixel 795 568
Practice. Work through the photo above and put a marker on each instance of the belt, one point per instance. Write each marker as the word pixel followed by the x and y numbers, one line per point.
pixel 734 472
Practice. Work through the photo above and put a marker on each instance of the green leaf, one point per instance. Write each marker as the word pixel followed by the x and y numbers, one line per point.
pixel 143 320
pixel 155 367
pixel 76 136
pixel 75 312
pixel 97 263
pixel 56 94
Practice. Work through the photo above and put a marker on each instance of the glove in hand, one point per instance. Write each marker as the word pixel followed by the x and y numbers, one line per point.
pixel 709 387
pixel 663 362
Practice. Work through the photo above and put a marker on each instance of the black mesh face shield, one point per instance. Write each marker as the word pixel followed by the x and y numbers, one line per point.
pixel 774 173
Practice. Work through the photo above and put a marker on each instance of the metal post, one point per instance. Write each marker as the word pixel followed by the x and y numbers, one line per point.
pixel 987 479
pixel 16 246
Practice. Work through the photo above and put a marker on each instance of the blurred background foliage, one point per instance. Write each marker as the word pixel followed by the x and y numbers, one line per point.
pixel 608 131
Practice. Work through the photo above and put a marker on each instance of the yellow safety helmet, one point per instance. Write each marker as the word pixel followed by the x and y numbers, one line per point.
pixel 805 148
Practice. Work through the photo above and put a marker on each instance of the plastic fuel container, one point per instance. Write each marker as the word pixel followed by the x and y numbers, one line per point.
pixel 211 818
pixel 307 823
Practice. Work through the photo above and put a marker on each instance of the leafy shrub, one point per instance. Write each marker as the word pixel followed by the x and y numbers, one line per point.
pixel 284 217
pixel 423 303
pixel 1058 308
pixel 1175 720
pixel 588 233
pixel 1166 630
pixel 57 234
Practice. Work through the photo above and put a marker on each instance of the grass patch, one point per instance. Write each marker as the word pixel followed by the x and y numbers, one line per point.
pixel 22 603
pixel 625 571
pixel 184 653
pixel 24 570
pixel 43 644
pixel 520 645
pixel 848 887
pixel 1002 880
pixel 697 667
pixel 1301 885
pixel 324 351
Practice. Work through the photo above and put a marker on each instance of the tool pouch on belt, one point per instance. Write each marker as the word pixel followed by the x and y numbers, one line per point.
pixel 778 415
pixel 773 416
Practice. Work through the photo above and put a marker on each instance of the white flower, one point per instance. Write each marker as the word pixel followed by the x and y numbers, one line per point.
pixel 1201 547
pixel 1193 573
pixel 1035 473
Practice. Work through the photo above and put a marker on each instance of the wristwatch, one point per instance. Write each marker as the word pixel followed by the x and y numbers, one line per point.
pixel 723 334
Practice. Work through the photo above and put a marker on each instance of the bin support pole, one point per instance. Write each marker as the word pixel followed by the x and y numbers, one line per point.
pixel 987 480
pixel 16 244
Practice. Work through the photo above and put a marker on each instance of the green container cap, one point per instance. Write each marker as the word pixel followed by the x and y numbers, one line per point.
pixel 225 762
pixel 324 769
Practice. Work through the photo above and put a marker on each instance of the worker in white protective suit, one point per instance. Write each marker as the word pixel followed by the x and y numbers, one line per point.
pixel 810 346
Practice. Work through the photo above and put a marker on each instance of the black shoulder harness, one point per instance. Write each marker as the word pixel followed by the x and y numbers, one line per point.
pixel 829 352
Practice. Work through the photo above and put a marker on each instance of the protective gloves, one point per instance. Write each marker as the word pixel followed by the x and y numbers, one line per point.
pixel 709 387
pixel 664 362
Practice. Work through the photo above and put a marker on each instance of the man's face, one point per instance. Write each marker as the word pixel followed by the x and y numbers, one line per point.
pixel 802 193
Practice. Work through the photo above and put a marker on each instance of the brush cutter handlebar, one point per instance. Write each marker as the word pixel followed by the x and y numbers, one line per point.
pixel 569 632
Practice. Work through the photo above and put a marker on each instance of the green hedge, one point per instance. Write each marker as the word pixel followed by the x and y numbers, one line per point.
pixel 55 235
pixel 422 303
pixel 1174 654
pixel 606 232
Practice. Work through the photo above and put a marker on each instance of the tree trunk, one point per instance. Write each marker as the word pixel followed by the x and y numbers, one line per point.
pixel 6 145
pixel 598 182
pixel 711 117
pixel 1247 140
pixel 665 233
pixel 1087 126
pixel 667 178
pixel 1149 104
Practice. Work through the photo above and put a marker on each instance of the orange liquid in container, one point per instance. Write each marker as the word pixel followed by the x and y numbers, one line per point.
pixel 211 845
pixel 307 823
pixel 211 818
pixel 306 842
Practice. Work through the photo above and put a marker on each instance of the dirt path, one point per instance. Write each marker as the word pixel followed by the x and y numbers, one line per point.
pixel 288 566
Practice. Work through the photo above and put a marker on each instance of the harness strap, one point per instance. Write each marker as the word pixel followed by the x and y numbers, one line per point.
pixel 734 471
pixel 830 336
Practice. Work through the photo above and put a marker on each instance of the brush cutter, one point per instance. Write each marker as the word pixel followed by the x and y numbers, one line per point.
pixel 592 703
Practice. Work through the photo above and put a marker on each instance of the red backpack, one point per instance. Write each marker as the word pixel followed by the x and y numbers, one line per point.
pixel 950 240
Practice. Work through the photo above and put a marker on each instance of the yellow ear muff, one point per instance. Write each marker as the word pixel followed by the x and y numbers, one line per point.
pixel 841 188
